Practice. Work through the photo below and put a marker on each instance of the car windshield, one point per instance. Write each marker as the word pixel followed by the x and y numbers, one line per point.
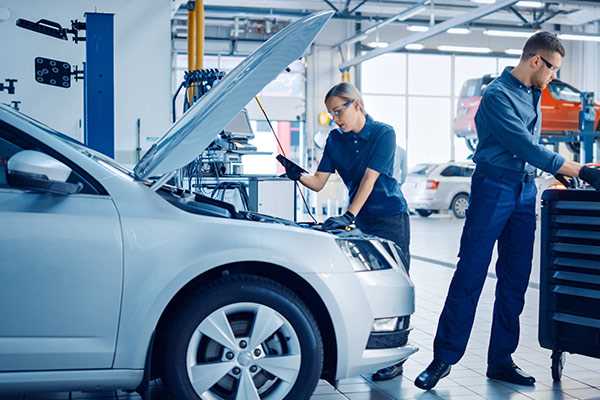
pixel 562 91
pixel 471 88
pixel 421 169
pixel 103 160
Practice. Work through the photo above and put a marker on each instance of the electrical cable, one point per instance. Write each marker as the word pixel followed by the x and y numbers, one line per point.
pixel 282 151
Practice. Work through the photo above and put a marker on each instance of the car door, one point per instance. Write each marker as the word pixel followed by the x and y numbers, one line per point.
pixel 61 271
pixel 450 183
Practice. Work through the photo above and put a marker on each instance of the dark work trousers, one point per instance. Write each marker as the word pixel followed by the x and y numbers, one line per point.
pixel 502 208
pixel 395 228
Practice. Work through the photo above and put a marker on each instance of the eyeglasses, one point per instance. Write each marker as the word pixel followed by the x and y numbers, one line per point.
pixel 549 65
pixel 337 113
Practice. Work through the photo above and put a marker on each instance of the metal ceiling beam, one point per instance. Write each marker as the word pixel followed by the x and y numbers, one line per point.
pixel 404 15
pixel 330 4
pixel 359 5
pixel 433 31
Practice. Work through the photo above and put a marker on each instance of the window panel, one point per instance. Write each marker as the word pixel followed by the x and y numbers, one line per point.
pixel 429 75
pixel 428 130
pixel 506 62
pixel 470 68
pixel 390 110
pixel 385 74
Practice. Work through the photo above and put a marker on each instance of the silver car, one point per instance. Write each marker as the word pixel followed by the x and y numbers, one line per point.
pixel 110 278
pixel 435 188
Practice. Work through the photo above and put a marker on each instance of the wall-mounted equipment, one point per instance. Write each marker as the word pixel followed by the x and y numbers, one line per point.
pixel 54 29
pixel 9 86
pixel 98 73
pixel 55 72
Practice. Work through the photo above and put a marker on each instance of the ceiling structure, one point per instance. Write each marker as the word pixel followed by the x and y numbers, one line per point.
pixel 227 21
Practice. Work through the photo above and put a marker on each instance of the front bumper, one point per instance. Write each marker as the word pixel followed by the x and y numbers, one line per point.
pixel 426 203
pixel 366 296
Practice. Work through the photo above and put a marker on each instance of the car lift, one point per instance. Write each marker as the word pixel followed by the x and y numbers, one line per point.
pixel 586 137
pixel 97 74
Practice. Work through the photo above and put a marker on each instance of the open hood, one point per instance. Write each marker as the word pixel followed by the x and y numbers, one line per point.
pixel 198 127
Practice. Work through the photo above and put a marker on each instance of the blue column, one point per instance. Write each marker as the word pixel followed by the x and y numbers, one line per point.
pixel 99 83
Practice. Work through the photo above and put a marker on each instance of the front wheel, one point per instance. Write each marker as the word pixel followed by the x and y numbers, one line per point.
pixel 424 213
pixel 459 205
pixel 243 337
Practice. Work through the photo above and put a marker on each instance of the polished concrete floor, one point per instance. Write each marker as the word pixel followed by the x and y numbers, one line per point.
pixel 434 246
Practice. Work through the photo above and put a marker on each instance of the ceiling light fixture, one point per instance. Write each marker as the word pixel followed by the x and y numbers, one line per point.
pixel 530 4
pixel 459 31
pixel 514 52
pixel 503 33
pixel 464 49
pixel 414 46
pixel 378 44
pixel 484 1
pixel 417 28
pixel 583 38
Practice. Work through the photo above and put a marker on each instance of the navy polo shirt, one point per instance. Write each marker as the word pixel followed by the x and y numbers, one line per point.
pixel 509 121
pixel 350 154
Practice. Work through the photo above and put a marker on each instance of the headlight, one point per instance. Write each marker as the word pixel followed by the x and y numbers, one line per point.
pixel 363 255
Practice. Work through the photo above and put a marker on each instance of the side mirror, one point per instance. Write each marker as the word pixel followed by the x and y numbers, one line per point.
pixel 38 172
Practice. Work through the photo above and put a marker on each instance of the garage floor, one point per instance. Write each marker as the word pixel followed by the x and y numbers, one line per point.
pixel 581 379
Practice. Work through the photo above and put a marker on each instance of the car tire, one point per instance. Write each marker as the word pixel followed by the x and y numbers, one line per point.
pixel 424 213
pixel 242 333
pixel 459 205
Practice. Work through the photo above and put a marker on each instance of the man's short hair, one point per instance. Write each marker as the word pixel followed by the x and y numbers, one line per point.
pixel 542 41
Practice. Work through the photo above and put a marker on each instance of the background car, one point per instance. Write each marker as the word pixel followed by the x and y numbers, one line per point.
pixel 561 104
pixel 434 188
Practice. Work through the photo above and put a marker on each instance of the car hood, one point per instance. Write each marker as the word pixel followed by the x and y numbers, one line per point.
pixel 199 126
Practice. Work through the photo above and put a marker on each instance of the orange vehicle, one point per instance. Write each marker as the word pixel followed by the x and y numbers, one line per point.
pixel 560 109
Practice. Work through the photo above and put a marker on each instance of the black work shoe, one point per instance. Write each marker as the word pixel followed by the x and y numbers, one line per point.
pixel 510 374
pixel 435 371
pixel 388 373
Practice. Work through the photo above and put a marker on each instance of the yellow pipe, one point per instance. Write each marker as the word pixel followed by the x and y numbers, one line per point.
pixel 191 45
pixel 199 34
pixel 346 76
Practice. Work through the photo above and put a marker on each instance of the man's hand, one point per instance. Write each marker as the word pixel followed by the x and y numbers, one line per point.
pixel 338 222
pixel 591 176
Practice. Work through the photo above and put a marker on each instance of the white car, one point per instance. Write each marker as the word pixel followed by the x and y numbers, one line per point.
pixel 435 188
pixel 109 278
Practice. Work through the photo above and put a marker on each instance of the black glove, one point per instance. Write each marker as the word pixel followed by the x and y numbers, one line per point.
pixel 292 171
pixel 591 176
pixel 338 222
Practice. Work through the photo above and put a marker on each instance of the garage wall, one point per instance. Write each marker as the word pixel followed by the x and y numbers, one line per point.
pixel 580 67
pixel 142 66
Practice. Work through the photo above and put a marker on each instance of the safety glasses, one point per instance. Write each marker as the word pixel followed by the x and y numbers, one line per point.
pixel 337 113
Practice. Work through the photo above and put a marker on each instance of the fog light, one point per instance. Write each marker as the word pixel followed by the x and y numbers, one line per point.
pixel 385 324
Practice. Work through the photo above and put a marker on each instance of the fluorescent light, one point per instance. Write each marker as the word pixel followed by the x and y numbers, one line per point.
pixel 464 49
pixel 530 4
pixel 514 52
pixel 417 28
pixel 459 31
pixel 378 44
pixel 503 33
pixel 414 46
pixel 583 38
pixel 484 1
